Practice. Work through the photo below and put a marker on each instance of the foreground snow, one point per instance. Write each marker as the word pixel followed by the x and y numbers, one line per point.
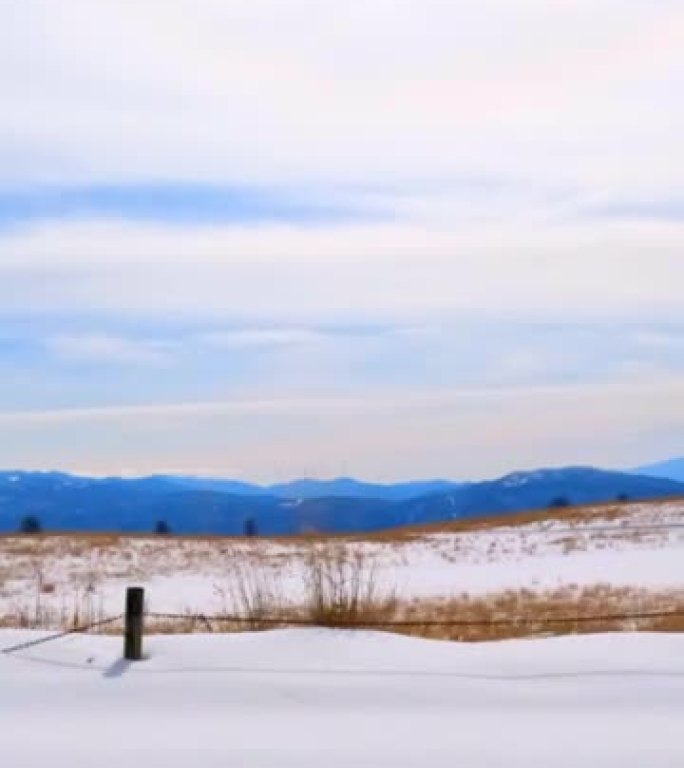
pixel 312 698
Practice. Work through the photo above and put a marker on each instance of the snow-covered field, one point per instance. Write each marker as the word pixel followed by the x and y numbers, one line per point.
pixel 634 545
pixel 312 698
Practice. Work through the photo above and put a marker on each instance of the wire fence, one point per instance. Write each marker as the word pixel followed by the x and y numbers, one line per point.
pixel 263 622
pixel 353 623
pixel 59 635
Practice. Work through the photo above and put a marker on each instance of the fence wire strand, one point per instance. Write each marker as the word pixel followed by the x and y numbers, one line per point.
pixel 398 623
pixel 58 635
pixel 293 621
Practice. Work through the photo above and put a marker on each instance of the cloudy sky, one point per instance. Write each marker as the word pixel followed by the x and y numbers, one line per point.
pixel 389 238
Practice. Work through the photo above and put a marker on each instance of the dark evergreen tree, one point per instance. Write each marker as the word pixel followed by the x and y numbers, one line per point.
pixel 30 524
pixel 250 527
pixel 162 527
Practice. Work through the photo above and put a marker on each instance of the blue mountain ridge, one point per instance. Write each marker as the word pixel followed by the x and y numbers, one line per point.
pixel 309 488
pixel 65 502
pixel 672 469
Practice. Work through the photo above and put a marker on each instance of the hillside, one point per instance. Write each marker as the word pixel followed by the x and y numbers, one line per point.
pixel 540 489
pixel 66 503
pixel 596 557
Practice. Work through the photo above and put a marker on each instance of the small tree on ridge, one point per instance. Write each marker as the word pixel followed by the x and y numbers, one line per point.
pixel 30 524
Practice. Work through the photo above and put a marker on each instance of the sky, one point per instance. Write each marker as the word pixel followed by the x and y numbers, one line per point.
pixel 383 238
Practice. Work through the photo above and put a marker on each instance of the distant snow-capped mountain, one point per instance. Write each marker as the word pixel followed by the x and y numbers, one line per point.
pixel 349 487
pixel 191 505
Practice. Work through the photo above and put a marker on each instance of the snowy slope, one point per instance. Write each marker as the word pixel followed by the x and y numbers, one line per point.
pixel 642 547
pixel 312 698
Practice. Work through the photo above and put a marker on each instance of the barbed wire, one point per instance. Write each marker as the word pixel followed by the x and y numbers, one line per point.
pixel 365 624
pixel 341 623
pixel 58 635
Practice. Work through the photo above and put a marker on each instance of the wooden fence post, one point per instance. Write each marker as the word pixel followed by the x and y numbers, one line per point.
pixel 133 629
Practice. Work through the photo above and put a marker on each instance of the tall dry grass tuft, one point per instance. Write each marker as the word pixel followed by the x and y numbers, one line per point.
pixel 341 588
pixel 78 609
pixel 252 591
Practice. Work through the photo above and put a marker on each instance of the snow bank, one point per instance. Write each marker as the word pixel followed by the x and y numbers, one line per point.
pixel 308 698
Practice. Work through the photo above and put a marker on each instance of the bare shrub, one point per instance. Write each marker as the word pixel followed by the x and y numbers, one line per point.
pixel 342 589
pixel 252 590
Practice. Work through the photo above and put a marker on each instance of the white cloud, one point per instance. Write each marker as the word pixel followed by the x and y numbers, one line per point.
pixel 490 134
pixel 109 350
pixel 511 150
pixel 255 338
pixel 456 433
pixel 660 340
pixel 263 90
pixel 566 270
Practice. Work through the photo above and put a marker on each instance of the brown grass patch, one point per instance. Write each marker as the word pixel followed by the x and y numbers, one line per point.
pixel 500 616
pixel 342 589
pixel 525 613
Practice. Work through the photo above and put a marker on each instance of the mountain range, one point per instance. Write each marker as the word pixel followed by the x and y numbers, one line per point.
pixel 672 469
pixel 308 488
pixel 63 502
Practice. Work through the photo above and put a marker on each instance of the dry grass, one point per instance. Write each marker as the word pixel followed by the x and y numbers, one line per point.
pixel 81 608
pixel 341 594
pixel 342 588
pixel 340 578
pixel 505 615
pixel 526 613
pixel 252 592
